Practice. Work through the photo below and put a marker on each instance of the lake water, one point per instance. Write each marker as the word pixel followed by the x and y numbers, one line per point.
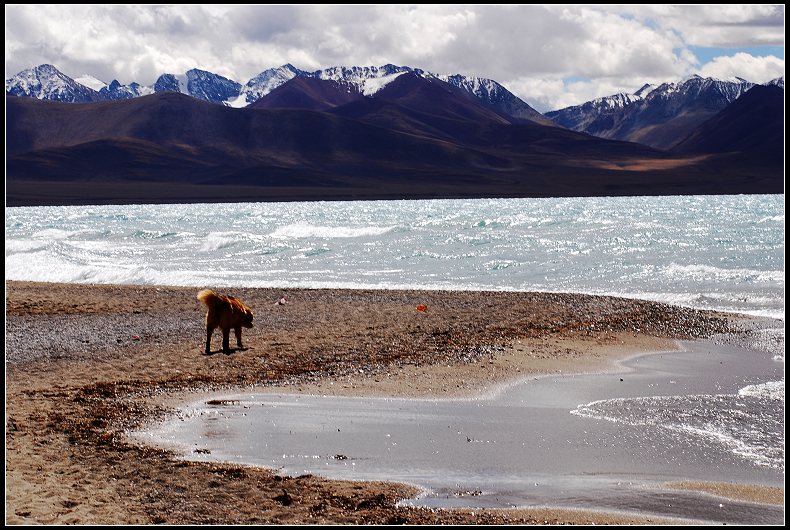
pixel 709 252
pixel 600 441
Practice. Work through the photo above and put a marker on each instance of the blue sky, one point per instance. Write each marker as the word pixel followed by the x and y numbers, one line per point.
pixel 551 56
pixel 705 54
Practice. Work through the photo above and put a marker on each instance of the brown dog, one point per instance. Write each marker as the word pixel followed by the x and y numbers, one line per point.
pixel 224 312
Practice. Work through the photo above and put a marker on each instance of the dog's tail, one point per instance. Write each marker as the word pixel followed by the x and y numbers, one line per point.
pixel 208 297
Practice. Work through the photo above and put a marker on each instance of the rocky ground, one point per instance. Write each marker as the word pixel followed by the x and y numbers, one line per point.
pixel 86 363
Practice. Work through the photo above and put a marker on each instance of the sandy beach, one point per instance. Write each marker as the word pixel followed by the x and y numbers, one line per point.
pixel 87 363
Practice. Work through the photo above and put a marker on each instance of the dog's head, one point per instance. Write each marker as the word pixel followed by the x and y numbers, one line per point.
pixel 247 320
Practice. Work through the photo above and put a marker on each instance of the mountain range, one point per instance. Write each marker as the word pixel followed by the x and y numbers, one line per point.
pixel 47 82
pixel 361 133
pixel 657 116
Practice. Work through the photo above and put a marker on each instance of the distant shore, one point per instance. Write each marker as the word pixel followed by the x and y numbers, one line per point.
pixel 85 363
pixel 21 193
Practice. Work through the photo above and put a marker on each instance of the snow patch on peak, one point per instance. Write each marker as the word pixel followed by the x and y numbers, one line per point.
pixel 372 85
pixel 616 101
pixel 90 82
pixel 730 79
pixel 289 68
pixel 238 102
pixel 479 86
pixel 645 90
pixel 358 75
pixel 183 79
pixel 265 82
pixel 697 79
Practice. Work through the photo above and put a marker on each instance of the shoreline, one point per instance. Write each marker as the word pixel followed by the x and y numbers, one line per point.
pixel 233 401
pixel 132 352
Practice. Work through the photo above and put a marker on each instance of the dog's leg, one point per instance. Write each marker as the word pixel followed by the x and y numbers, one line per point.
pixel 226 340
pixel 209 331
pixel 238 335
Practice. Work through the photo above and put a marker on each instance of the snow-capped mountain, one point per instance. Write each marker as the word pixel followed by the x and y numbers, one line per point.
pixel 116 91
pixel 653 115
pixel 645 90
pixel 707 92
pixel 266 81
pixel 211 87
pixel 170 83
pixel 496 97
pixel 596 116
pixel 199 84
pixel 47 82
pixel 779 81
pixel 368 80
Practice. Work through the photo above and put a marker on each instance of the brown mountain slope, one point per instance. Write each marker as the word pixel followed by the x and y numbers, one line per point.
pixel 422 141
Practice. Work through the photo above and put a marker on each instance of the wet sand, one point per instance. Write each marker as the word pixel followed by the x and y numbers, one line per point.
pixel 87 363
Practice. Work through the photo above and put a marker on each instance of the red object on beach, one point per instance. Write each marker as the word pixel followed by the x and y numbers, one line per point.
pixel 422 308
pixel 136 337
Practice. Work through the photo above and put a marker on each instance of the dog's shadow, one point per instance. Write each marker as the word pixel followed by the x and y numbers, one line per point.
pixel 228 352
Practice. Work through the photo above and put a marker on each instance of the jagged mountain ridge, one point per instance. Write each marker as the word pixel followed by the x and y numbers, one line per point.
pixel 266 81
pixel 115 91
pixel 217 89
pixel 309 93
pixel 657 116
pixel 47 82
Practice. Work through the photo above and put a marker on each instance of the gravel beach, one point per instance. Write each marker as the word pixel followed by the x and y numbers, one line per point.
pixel 87 363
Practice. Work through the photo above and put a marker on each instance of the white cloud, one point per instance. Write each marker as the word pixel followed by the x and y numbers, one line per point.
pixel 723 25
pixel 551 55
pixel 754 69
pixel 553 94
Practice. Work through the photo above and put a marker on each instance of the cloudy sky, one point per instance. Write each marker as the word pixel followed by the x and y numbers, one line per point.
pixel 551 56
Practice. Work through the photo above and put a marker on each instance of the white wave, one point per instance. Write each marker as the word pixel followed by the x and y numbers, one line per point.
pixel 302 230
pixel 692 414
pixel 486 223
pixel 43 266
pixel 156 234
pixel 759 306
pixel 92 246
pixel 218 240
pixel 736 445
pixel 707 272
pixel 776 218
pixel 769 390
pixel 13 246
pixel 496 265
pixel 521 220
pixel 55 234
